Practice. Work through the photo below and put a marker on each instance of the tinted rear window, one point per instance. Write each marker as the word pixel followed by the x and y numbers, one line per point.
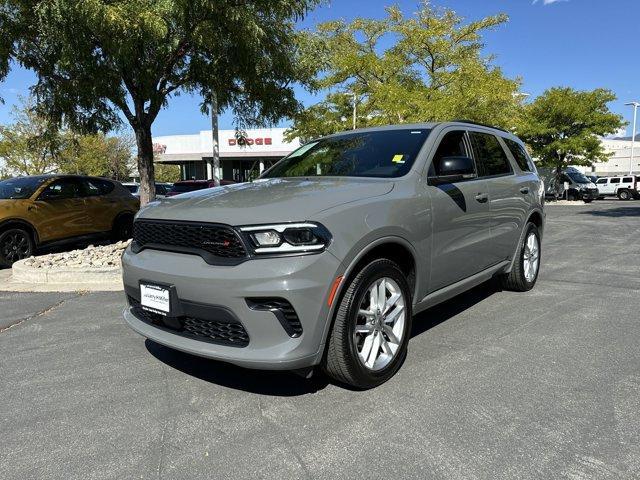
pixel 491 157
pixel 384 153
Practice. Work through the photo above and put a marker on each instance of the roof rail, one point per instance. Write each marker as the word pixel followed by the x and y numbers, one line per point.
pixel 471 122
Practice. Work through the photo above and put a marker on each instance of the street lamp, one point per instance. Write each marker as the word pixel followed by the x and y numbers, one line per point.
pixel 633 133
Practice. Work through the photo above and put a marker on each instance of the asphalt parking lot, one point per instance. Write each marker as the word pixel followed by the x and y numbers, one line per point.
pixel 497 385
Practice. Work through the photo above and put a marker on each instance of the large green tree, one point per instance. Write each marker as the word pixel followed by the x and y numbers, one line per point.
pixel 564 126
pixel 97 155
pixel 98 61
pixel 423 67
pixel 29 145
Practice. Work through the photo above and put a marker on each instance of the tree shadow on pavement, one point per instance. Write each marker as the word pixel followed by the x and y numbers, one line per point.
pixel 434 316
pixel 275 383
pixel 615 212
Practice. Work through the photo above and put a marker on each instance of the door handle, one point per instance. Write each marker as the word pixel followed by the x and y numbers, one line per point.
pixel 482 197
pixel 524 190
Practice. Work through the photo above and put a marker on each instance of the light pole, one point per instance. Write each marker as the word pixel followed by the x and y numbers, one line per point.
pixel 633 133
pixel 355 102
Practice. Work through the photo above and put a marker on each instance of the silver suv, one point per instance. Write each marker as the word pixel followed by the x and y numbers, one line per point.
pixel 326 258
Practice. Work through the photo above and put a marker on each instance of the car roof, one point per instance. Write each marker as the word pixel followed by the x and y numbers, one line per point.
pixel 192 182
pixel 429 125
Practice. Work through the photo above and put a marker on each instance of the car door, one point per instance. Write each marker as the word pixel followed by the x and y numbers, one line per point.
pixel 461 235
pixel 59 211
pixel 613 185
pixel 102 207
pixel 601 183
pixel 508 194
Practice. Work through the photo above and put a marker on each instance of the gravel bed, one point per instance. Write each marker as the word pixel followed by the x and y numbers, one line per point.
pixel 104 256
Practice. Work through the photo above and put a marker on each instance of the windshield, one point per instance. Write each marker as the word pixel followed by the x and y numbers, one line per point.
pixel 385 153
pixel 19 188
pixel 578 177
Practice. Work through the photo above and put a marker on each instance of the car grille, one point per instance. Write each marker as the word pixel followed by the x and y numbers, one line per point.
pixel 214 242
pixel 204 330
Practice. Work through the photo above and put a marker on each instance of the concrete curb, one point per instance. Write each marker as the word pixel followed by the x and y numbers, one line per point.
pixel 26 278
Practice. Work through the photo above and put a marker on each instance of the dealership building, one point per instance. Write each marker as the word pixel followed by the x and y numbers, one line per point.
pixel 241 157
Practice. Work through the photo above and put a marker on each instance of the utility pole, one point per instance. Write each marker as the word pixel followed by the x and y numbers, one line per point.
pixel 635 106
pixel 214 134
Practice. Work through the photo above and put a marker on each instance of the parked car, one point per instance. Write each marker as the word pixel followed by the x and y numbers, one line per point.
pixel 574 185
pixel 624 187
pixel 40 210
pixel 161 189
pixel 325 258
pixel 185 186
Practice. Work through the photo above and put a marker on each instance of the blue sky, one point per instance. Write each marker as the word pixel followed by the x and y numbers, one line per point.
pixel 584 44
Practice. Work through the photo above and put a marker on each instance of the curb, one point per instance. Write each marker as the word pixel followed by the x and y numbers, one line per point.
pixel 95 279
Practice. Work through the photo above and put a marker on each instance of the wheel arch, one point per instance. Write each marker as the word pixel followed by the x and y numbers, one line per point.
pixel 18 222
pixel 394 248
pixel 537 218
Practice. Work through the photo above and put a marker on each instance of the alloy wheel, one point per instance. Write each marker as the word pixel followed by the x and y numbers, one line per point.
pixel 15 246
pixel 531 258
pixel 380 324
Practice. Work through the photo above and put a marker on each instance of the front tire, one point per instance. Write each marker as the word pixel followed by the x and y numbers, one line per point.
pixel 368 341
pixel 122 228
pixel 15 244
pixel 524 273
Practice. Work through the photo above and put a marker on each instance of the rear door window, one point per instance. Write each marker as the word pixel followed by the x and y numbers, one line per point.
pixel 614 180
pixel 490 156
pixel 520 155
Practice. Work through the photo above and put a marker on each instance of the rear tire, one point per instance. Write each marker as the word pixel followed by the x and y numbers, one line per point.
pixel 369 355
pixel 588 200
pixel 572 196
pixel 624 195
pixel 15 244
pixel 122 228
pixel 521 278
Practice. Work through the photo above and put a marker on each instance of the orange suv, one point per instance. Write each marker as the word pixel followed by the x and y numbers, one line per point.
pixel 41 210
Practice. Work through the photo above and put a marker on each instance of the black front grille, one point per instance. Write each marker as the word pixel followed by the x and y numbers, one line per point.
pixel 204 330
pixel 283 310
pixel 214 242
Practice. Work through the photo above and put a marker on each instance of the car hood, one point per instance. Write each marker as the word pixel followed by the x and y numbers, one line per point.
pixel 265 201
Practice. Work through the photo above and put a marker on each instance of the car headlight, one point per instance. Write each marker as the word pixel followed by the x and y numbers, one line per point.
pixel 285 238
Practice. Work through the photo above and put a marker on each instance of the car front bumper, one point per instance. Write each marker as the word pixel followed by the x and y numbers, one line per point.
pixel 303 281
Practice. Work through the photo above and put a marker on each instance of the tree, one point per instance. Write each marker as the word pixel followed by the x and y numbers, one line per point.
pixel 167 173
pixel 98 60
pixel 29 146
pixel 419 68
pixel 32 145
pixel 564 126
pixel 96 155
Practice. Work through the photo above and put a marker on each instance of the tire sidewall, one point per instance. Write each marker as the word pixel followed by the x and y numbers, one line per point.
pixel 530 228
pixel 4 233
pixel 376 270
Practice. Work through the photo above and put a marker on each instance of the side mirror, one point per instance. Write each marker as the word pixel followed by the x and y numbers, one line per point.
pixel 453 169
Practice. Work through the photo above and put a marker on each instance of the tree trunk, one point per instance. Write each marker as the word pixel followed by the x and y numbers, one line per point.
pixel 145 164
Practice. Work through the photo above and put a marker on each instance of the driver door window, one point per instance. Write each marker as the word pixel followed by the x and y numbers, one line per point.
pixel 453 144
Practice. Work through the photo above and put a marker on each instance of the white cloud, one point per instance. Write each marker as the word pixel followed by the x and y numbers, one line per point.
pixel 549 2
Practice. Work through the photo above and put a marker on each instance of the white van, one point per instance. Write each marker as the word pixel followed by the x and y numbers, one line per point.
pixel 623 187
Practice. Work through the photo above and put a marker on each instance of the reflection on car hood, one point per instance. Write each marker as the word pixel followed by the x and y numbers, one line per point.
pixel 266 201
